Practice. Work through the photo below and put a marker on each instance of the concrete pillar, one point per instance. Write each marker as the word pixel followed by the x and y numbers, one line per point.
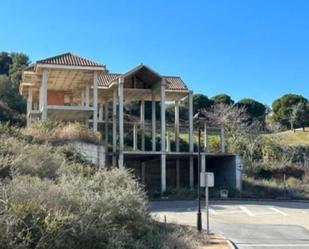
pixel 95 101
pixel 168 142
pixel 114 126
pixel 121 137
pixel 191 172
pixel 190 121
pixel 135 137
pixel 163 148
pixel 222 143
pixel 101 107
pixel 29 106
pixel 87 94
pixel 205 138
pixel 82 102
pixel 106 125
pixel 143 173
pixel 43 93
pixel 177 125
pixel 142 113
pixel 177 173
pixel 153 119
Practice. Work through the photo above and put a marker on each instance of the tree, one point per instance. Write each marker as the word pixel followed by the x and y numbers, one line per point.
pixel 255 109
pixel 11 66
pixel 283 108
pixel 223 99
pixel 200 101
pixel 299 116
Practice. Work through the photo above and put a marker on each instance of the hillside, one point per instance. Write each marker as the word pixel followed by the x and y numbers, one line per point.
pixel 292 138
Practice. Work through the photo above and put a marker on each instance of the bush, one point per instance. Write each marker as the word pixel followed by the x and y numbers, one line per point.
pixel 107 209
pixel 56 132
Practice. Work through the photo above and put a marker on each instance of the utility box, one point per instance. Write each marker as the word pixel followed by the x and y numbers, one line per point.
pixel 207 179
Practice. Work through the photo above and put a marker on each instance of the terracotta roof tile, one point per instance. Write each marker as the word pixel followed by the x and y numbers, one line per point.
pixel 69 59
pixel 173 82
pixel 106 78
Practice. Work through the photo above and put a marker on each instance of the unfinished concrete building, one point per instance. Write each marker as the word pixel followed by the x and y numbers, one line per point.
pixel 71 88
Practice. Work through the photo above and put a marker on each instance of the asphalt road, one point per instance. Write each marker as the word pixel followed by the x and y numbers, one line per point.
pixel 248 224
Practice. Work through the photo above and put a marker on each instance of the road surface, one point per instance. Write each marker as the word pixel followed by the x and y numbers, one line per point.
pixel 249 224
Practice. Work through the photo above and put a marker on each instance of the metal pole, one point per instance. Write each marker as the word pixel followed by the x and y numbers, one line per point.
pixel 199 215
pixel 207 207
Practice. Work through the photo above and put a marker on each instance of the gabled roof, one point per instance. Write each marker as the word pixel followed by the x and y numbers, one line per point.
pixel 173 82
pixel 69 59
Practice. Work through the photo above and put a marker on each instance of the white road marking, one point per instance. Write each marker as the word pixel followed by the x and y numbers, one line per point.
pixel 274 245
pixel 247 211
pixel 278 211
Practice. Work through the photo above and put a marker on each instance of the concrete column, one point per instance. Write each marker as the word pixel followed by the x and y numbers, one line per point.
pixel 177 173
pixel 29 106
pixel 203 163
pixel 191 172
pixel 168 142
pixel 114 126
pixel 222 143
pixel 135 137
pixel 142 113
pixel 43 104
pixel 106 125
pixel 205 138
pixel 83 98
pixel 177 125
pixel 163 148
pixel 121 137
pixel 95 101
pixel 191 121
pixel 153 119
pixel 87 94
pixel 143 173
pixel 101 107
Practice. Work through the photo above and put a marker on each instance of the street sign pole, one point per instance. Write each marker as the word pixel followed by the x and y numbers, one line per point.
pixel 207 208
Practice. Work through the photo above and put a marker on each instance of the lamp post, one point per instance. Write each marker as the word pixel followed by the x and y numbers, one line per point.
pixel 199 116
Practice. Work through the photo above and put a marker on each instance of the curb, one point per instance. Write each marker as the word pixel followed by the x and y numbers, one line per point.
pixel 231 244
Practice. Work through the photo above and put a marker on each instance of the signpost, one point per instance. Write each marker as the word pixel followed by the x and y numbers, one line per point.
pixel 207 180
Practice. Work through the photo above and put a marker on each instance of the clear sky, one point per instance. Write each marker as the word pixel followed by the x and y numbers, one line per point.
pixel 245 48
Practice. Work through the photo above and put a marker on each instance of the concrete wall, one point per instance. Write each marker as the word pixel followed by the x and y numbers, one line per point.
pixel 93 153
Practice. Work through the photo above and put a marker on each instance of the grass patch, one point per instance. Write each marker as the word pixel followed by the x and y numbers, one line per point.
pixel 291 138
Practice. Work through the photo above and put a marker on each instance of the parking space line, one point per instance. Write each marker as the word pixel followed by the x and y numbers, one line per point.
pixel 278 211
pixel 247 211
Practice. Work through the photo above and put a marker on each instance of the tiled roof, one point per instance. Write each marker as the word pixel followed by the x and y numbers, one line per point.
pixel 106 78
pixel 69 59
pixel 173 82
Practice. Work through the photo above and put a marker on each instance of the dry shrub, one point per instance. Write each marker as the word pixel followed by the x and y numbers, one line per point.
pixel 57 132
pixel 107 209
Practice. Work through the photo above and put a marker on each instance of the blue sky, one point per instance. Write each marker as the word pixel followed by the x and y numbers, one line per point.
pixel 248 48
